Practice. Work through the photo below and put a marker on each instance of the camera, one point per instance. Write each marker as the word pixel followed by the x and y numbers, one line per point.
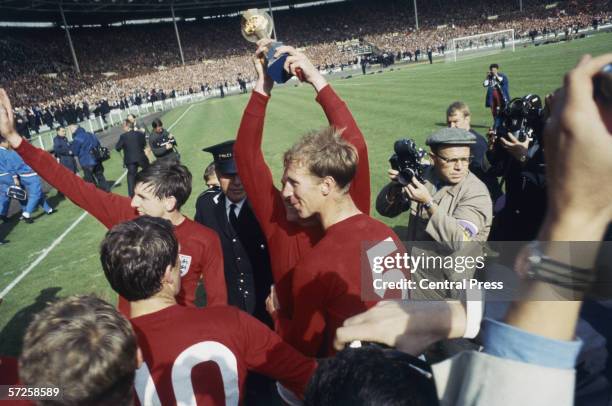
pixel 407 161
pixel 522 117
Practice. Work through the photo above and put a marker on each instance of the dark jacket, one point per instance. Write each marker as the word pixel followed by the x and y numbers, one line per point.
pixel 158 142
pixel 82 145
pixel 62 151
pixel 133 144
pixel 245 254
pixel 505 89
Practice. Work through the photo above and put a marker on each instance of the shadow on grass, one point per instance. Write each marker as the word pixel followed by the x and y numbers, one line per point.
pixel 6 228
pixel 12 334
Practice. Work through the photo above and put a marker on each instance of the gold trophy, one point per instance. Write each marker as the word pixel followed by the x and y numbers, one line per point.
pixel 257 24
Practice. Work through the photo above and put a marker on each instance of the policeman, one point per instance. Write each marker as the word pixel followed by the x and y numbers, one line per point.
pixel 245 254
pixel 452 206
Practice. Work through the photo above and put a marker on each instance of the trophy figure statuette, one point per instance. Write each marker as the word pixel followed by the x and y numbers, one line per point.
pixel 257 24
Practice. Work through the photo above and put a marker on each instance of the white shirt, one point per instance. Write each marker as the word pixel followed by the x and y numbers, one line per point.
pixel 228 203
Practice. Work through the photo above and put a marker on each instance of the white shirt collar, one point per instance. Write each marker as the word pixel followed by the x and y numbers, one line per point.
pixel 239 205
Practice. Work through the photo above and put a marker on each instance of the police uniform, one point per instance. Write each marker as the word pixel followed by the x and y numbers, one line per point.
pixel 464 213
pixel 245 253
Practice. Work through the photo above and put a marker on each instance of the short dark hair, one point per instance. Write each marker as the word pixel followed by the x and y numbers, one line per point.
pixel 136 254
pixel 371 376
pixel 493 65
pixel 167 179
pixel 84 347
pixel 157 123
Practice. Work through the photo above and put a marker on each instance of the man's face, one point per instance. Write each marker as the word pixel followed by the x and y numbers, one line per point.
pixel 61 132
pixel 211 181
pixel 455 171
pixel 302 191
pixel 159 129
pixel 458 120
pixel 494 71
pixel 231 186
pixel 146 203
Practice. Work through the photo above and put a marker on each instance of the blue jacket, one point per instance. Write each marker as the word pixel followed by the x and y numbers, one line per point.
pixel 505 87
pixel 82 144
pixel 61 150
pixel 12 163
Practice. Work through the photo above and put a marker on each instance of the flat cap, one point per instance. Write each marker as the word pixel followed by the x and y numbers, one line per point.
pixel 223 155
pixel 451 136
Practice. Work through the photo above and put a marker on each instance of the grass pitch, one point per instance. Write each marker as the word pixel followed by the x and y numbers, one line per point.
pixel 409 102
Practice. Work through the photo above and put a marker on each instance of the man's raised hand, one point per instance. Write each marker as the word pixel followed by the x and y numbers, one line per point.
pixel 299 65
pixel 7 121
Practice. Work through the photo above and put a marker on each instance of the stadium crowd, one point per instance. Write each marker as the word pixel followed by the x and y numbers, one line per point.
pixel 37 68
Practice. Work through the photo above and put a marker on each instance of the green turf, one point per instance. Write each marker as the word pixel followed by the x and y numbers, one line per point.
pixel 410 102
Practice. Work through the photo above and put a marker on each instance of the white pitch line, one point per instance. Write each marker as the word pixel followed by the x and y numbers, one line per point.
pixel 59 239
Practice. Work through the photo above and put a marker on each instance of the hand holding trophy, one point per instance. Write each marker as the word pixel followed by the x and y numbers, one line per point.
pixel 256 25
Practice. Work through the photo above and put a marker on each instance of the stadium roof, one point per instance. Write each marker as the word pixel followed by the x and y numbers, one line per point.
pixel 80 12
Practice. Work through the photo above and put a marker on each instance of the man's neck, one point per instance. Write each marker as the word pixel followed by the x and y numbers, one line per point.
pixel 337 211
pixel 175 217
pixel 151 305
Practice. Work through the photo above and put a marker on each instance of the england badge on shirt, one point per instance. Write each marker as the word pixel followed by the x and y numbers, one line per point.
pixel 185 263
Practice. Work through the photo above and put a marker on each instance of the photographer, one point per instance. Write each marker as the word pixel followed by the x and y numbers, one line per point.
pixel 163 144
pixel 450 207
pixel 517 155
pixel 498 93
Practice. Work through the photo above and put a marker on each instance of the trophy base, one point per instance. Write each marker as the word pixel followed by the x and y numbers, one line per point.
pixel 276 66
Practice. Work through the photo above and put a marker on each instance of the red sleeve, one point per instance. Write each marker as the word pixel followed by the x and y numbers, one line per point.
pixel 108 208
pixel 340 117
pixel 255 174
pixel 268 355
pixel 213 272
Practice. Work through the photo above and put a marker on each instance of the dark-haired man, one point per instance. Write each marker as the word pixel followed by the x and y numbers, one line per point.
pixel 191 356
pixel 133 144
pixel 160 191
pixel 498 91
pixel 163 144
pixel 86 372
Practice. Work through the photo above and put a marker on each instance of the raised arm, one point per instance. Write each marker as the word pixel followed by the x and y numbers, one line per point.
pixel 339 116
pixel 254 173
pixel 108 208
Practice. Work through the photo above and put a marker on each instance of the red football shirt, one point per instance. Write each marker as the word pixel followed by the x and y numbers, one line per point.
pixel 288 241
pixel 327 284
pixel 201 356
pixel 200 247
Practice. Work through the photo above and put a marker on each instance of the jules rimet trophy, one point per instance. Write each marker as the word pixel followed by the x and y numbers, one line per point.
pixel 257 24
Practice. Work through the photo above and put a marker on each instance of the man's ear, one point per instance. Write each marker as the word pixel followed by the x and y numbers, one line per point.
pixel 170 203
pixel 168 274
pixel 327 185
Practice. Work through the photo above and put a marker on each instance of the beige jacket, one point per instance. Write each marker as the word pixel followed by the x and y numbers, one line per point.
pixel 460 224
